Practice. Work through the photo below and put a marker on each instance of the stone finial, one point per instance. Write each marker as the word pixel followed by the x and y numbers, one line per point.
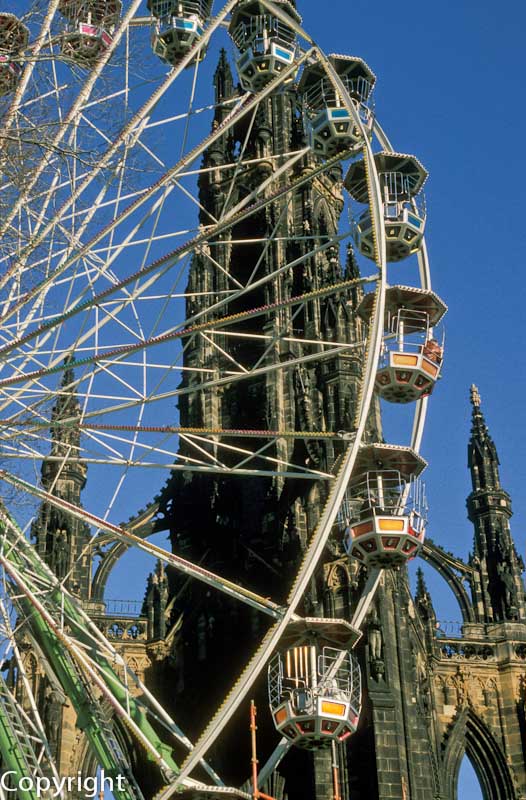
pixel 475 396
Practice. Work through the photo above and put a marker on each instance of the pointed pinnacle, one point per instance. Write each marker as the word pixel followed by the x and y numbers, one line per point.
pixel 478 423
pixel 67 375
pixel 475 396
pixel 223 60
pixel 421 588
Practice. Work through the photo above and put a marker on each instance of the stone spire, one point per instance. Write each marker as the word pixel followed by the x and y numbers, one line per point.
pixel 156 601
pixel 424 606
pixel 68 476
pixel 483 460
pixel 500 592
pixel 223 80
pixel 61 539
pixel 422 595
pixel 213 180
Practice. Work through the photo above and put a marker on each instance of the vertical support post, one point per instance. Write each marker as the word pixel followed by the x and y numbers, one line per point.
pixel 313 668
pixel 253 729
pixel 401 332
pixel 335 773
pixel 256 794
pixel 380 484
pixel 373 579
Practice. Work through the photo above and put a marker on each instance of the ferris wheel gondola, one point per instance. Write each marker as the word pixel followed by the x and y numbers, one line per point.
pixel 14 36
pixel 402 178
pixel 330 123
pixel 90 28
pixel 412 355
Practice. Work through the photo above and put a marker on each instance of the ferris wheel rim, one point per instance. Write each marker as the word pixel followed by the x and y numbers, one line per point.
pixel 376 325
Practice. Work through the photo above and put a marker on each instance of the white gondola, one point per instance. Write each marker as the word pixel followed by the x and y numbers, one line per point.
pixel 178 26
pixel 266 44
pixel 91 24
pixel 401 180
pixel 411 358
pixel 384 514
pixel 330 125
pixel 314 684
pixel 13 39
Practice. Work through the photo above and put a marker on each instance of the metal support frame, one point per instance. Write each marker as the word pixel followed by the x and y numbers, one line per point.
pixel 85 653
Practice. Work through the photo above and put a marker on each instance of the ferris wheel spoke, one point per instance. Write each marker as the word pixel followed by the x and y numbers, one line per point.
pixel 268 182
pixel 106 267
pixel 170 430
pixel 58 365
pixel 224 381
pixel 80 623
pixel 120 449
pixel 72 115
pixel 248 455
pixel 206 576
pixel 188 465
pixel 239 162
pixel 136 121
pixel 182 251
pixel 35 48
pixel 172 173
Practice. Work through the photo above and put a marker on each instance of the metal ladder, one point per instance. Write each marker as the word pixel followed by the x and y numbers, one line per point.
pixel 24 745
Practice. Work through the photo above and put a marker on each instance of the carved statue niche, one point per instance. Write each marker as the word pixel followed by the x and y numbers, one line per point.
pixel 308 410
pixel 489 694
pixel 54 700
pixel 376 646
pixel 508 591
pixel 290 543
pixel 423 692
pixel 60 553
pixel 156 602
pixel 337 583
pixel 450 693
pixel 33 676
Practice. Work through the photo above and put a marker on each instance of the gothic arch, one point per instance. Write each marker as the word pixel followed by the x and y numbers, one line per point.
pixel 338 577
pixel 323 218
pixel 470 736
pixel 33 673
pixel 490 692
pixel 435 557
pixel 337 581
pixel 143 526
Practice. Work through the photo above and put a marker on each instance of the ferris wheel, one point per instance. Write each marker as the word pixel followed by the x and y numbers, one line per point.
pixel 118 301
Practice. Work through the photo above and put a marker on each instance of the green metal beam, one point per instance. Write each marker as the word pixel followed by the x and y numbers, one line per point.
pixel 54 644
pixel 15 747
